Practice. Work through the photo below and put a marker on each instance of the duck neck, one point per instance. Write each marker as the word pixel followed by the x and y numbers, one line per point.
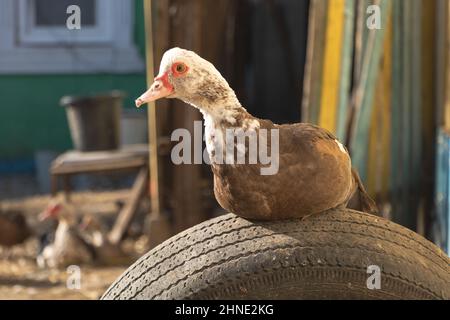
pixel 228 115
pixel 218 103
pixel 221 111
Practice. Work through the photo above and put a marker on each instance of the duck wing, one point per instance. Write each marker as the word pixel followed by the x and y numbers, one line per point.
pixel 305 134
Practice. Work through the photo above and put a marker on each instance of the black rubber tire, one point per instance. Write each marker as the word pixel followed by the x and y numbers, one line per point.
pixel 325 256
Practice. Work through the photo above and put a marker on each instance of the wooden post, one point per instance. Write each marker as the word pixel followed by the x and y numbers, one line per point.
pixel 152 123
pixel 185 30
pixel 159 227
pixel 193 25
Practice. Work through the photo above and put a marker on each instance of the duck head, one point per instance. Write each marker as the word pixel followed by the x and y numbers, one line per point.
pixel 52 211
pixel 185 75
pixel 59 210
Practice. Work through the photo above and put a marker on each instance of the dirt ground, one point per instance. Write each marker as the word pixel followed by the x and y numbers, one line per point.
pixel 21 278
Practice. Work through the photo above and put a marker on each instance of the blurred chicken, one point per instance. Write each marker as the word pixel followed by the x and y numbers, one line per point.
pixel 68 247
pixel 13 228
pixel 106 253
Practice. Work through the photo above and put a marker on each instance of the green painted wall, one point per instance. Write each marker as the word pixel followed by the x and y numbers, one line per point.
pixel 30 116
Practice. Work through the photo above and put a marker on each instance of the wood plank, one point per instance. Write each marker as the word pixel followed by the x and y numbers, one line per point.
pixel 396 174
pixel 332 65
pixel 130 163
pixel 442 185
pixel 441 59
pixel 343 107
pixel 127 213
pixel 385 165
pixel 374 143
pixel 379 146
pixel 361 35
pixel 155 195
pixel 359 39
pixel 446 111
pixel 405 213
pixel 314 61
pixel 447 231
pixel 308 74
pixel 81 162
pixel 416 129
pixel 359 49
pixel 163 110
pixel 429 100
pixel 365 92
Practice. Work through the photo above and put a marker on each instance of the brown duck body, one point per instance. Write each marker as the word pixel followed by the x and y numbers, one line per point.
pixel 314 175
pixel 314 168
pixel 13 228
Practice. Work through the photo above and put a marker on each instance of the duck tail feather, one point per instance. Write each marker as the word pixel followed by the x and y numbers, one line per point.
pixel 364 202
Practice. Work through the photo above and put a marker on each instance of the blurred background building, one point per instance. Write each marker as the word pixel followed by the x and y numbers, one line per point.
pixel 41 61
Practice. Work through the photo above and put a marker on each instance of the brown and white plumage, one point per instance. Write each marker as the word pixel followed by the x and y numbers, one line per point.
pixel 69 247
pixel 315 172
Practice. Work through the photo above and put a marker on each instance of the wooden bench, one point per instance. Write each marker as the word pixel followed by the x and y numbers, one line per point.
pixel 132 157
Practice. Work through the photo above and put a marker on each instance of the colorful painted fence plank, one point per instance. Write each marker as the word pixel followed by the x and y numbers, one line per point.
pixel 384 92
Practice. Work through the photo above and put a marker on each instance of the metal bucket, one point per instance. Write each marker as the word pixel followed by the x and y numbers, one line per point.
pixel 94 121
pixel 133 127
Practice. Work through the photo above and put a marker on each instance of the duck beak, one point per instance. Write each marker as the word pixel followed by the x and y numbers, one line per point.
pixel 46 215
pixel 49 213
pixel 160 88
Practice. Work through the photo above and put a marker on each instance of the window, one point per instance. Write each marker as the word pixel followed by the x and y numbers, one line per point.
pixel 44 21
pixel 52 13
pixel 34 37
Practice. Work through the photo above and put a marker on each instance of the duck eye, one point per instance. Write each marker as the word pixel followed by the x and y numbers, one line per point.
pixel 180 68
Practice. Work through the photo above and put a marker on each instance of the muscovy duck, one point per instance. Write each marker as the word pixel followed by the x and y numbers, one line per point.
pixel 314 171
pixel 68 246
